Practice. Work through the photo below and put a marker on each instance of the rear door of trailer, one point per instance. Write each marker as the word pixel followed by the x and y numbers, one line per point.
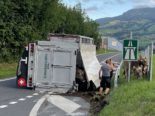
pixel 55 66
pixel 42 65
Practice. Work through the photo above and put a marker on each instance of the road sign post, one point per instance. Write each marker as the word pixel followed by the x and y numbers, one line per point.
pixel 130 52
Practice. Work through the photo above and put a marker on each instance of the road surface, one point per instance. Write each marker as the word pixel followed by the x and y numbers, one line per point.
pixel 15 101
pixel 19 102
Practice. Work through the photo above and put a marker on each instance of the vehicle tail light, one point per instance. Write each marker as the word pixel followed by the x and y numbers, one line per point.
pixel 32 48
pixel 30 81
pixel 21 82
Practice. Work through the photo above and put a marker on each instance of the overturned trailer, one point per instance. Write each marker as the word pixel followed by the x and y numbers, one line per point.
pixel 62 62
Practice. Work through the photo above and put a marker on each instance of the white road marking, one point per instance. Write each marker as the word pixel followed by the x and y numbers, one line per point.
pixel 29 96
pixel 63 103
pixel 1 80
pixel 77 114
pixel 13 102
pixel 22 99
pixel 50 92
pixel 37 106
pixel 35 94
pixel 3 106
pixel 35 100
pixel 41 92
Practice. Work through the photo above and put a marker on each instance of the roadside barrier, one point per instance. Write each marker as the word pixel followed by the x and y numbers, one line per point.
pixel 117 74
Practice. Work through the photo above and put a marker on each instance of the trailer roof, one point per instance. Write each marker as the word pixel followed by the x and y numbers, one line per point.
pixel 68 36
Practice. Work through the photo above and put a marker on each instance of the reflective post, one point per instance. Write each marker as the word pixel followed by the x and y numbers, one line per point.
pixel 151 61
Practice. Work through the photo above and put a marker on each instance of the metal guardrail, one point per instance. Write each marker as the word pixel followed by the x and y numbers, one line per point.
pixel 117 74
pixel 148 53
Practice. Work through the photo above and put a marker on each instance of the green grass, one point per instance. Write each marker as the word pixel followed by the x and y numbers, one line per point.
pixel 136 98
pixel 103 51
pixel 153 70
pixel 7 70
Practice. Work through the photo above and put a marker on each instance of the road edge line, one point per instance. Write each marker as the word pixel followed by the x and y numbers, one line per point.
pixel 2 80
pixel 106 53
pixel 36 107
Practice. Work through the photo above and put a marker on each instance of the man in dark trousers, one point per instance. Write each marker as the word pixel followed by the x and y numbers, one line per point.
pixel 104 75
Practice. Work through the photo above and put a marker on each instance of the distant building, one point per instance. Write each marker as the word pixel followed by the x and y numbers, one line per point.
pixel 111 43
pixel 104 42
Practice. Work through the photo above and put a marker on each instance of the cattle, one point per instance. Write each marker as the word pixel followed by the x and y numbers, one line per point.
pixel 139 68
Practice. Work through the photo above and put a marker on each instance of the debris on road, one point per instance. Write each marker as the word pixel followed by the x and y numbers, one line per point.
pixel 96 102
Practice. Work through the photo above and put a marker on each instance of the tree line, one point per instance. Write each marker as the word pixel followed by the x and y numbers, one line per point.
pixel 24 21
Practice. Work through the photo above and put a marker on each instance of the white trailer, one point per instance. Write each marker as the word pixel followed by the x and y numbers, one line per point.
pixel 52 64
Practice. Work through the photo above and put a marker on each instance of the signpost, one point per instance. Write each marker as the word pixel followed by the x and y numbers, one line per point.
pixel 130 52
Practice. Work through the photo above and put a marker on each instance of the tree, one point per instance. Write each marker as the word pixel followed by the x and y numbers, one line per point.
pixel 24 21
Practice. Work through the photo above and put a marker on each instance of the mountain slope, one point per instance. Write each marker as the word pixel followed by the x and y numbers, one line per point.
pixel 140 21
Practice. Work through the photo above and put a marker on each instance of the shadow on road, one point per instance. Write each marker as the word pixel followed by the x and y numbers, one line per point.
pixel 12 84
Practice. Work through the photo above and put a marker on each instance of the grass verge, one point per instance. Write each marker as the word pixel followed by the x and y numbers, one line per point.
pixel 7 70
pixel 153 70
pixel 136 98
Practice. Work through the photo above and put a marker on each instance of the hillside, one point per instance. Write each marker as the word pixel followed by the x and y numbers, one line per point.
pixel 140 21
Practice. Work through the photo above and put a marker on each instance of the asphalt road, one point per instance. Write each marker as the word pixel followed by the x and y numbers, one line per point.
pixel 102 57
pixel 19 102
pixel 52 106
pixel 15 101
pixel 117 58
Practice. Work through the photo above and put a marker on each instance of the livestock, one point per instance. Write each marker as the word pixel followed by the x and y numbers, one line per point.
pixel 139 68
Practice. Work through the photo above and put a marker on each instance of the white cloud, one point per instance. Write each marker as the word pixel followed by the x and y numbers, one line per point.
pixel 152 1
pixel 91 8
pixel 85 0
pixel 143 3
pixel 120 1
pixel 135 2
pixel 108 8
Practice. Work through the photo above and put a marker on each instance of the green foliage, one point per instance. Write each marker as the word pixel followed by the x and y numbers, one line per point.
pixel 24 21
pixel 7 70
pixel 136 98
pixel 153 70
pixel 140 21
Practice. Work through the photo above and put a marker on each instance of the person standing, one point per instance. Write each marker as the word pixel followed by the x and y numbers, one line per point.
pixel 104 75
pixel 112 67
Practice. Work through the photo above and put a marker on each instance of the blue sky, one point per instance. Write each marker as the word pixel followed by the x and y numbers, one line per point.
pixel 108 8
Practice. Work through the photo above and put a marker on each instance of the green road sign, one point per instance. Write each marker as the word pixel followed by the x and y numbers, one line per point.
pixel 130 49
